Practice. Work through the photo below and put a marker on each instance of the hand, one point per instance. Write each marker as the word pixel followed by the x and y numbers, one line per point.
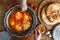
pixel 37 34
pixel 24 5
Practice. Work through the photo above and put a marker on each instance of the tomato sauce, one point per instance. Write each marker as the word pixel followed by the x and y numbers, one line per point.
pixel 20 21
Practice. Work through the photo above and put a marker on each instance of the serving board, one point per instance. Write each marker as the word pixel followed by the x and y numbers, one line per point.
pixel 4 7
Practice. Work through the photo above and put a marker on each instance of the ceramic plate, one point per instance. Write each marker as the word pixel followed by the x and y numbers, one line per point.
pixel 56 32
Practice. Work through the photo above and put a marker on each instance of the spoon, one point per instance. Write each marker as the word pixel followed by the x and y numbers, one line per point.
pixel 24 5
pixel 49 34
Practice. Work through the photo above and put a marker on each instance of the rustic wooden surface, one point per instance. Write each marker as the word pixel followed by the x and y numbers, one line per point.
pixel 4 7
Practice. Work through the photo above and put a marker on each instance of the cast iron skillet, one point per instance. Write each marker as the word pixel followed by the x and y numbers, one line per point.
pixel 33 26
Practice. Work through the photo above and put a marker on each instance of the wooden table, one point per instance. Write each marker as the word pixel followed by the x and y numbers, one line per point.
pixel 4 7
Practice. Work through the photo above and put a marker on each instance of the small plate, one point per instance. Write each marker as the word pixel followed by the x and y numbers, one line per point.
pixel 4 35
pixel 56 32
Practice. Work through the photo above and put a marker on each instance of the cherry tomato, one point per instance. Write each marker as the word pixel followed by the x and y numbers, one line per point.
pixel 10 5
pixel 31 5
pixel 35 8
